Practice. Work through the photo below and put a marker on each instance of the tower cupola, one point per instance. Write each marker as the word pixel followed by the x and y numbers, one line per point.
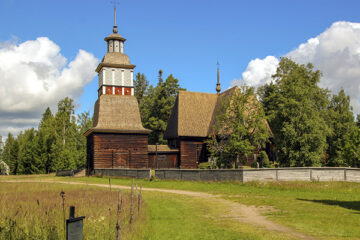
pixel 115 71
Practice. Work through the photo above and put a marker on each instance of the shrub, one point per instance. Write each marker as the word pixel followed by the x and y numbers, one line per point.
pixel 264 160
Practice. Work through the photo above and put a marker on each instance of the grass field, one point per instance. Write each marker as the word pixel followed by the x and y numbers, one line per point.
pixel 34 211
pixel 322 210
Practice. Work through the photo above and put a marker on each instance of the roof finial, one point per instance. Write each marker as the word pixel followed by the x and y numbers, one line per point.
pixel 115 30
pixel 218 88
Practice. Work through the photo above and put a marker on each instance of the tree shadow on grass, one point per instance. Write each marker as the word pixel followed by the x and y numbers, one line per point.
pixel 352 205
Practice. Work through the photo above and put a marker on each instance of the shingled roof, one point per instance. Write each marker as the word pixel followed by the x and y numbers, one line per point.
pixel 194 114
pixel 115 59
pixel 117 113
pixel 191 115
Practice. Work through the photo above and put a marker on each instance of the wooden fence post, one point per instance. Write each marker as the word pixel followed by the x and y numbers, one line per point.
pixel 136 193
pixel 139 198
pixel 62 194
pixel 110 182
pixel 118 227
pixel 132 203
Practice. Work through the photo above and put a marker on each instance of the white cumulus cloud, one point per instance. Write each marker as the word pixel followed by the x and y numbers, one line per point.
pixel 335 52
pixel 258 72
pixel 35 75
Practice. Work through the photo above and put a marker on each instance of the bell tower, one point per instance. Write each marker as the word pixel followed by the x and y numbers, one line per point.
pixel 115 71
pixel 117 138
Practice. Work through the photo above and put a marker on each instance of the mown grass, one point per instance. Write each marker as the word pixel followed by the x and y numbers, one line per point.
pixel 327 210
pixel 173 216
pixel 34 211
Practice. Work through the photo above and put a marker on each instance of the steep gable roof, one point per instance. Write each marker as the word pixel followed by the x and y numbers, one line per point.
pixel 222 98
pixel 116 113
pixel 191 115
pixel 194 114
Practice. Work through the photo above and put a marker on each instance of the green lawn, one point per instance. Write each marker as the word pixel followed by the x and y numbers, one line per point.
pixel 327 210
pixel 171 216
pixel 324 210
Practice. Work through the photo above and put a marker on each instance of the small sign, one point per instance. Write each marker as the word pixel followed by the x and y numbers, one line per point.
pixel 161 157
pixel 74 226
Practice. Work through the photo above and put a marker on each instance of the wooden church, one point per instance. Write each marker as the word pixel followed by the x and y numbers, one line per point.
pixel 118 139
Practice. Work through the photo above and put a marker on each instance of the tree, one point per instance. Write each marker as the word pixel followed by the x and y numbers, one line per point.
pixel 64 151
pixel 1 147
pixel 161 101
pixel 29 160
pixel 146 104
pixel 156 103
pixel 57 144
pixel 10 154
pixel 84 123
pixel 46 138
pixel 141 84
pixel 240 126
pixel 342 141
pixel 296 109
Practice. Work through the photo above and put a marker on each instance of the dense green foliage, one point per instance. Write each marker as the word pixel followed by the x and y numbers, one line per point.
pixel 240 128
pixel 156 103
pixel 1 146
pixel 57 144
pixel 309 128
pixel 141 84
pixel 344 139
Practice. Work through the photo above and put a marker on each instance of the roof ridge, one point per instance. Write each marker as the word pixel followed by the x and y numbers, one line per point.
pixel 228 90
pixel 184 91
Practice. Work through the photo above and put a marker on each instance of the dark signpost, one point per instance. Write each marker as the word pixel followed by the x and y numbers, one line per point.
pixel 74 226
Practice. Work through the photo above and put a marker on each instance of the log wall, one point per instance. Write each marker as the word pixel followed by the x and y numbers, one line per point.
pixel 164 160
pixel 116 150
pixel 189 153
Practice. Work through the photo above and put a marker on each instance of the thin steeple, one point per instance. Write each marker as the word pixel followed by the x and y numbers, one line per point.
pixel 218 87
pixel 115 29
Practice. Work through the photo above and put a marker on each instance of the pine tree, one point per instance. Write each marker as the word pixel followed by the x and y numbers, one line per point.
pixel 141 85
pixel 1 147
pixel 29 153
pixel 46 138
pixel 84 123
pixel 10 154
pixel 160 102
pixel 64 149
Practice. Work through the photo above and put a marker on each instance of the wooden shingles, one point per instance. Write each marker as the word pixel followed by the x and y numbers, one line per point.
pixel 191 115
pixel 115 113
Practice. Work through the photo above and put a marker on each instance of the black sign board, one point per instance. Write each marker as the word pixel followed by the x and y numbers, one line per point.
pixel 74 226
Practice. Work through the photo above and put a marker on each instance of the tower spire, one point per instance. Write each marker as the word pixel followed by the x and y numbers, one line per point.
pixel 115 29
pixel 218 87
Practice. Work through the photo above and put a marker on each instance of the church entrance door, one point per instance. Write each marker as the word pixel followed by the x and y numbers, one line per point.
pixel 121 159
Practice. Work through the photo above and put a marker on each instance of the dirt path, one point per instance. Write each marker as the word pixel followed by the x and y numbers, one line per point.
pixel 240 212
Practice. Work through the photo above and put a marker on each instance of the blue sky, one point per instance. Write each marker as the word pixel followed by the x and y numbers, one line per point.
pixel 184 38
